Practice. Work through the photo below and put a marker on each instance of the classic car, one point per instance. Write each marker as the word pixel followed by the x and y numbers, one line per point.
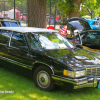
pixel 48 58
pixel 4 22
pixel 84 33
pixel 94 24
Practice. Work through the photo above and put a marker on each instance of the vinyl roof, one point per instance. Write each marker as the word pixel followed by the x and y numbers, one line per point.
pixel 27 29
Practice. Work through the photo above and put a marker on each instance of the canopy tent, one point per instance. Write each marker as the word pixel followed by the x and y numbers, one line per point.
pixel 17 13
pixel 12 10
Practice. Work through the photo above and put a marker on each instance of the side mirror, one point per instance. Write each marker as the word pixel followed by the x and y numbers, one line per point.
pixel 79 39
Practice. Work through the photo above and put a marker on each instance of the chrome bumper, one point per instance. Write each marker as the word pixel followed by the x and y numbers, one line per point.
pixel 79 83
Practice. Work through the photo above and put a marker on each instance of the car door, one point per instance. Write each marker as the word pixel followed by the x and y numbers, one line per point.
pixel 4 42
pixel 18 51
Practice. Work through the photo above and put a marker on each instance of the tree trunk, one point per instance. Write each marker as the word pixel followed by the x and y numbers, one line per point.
pixel 72 12
pixel 37 13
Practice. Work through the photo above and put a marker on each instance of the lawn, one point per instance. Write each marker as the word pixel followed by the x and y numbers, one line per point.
pixel 23 88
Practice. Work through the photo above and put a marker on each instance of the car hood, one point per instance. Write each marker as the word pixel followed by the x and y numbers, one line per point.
pixel 77 23
pixel 74 58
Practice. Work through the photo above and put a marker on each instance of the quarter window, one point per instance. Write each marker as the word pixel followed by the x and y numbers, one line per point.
pixel 4 36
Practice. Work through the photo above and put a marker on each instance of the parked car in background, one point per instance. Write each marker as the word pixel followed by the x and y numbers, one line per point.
pixel 4 22
pixel 48 58
pixel 94 24
pixel 87 36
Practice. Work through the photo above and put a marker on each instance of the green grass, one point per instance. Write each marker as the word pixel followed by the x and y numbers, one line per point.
pixel 24 89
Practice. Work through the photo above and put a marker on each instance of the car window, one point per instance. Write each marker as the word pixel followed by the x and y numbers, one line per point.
pixel 48 40
pixel 13 24
pixel 5 24
pixel 93 23
pixel 18 40
pixel 34 40
pixel 93 35
pixel 4 36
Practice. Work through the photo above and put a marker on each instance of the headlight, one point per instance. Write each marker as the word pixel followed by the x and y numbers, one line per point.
pixel 74 74
pixel 80 73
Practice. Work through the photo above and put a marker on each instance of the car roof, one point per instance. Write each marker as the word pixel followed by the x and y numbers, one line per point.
pixel 27 29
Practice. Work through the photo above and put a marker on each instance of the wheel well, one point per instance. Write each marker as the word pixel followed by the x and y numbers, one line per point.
pixel 39 64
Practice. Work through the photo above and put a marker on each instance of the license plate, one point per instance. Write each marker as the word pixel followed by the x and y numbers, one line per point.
pixel 98 85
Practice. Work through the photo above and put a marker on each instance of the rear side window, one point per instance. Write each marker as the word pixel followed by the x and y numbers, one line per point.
pixel 4 37
pixel 18 40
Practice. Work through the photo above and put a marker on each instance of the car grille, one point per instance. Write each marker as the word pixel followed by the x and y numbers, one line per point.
pixel 93 71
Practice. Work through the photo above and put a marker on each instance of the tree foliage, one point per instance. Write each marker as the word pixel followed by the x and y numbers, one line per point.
pixel 66 5
pixel 9 4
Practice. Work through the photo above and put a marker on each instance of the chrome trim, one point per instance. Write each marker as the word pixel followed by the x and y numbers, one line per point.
pixel 83 86
pixel 94 71
pixel 79 83
pixel 64 79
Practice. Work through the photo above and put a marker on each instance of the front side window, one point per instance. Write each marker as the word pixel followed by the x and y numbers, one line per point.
pixel 48 40
pixel 4 36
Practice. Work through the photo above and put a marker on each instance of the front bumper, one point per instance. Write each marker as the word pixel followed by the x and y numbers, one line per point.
pixel 79 83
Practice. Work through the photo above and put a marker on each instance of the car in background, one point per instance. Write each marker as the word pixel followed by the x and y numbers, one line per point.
pixel 48 58
pixel 4 22
pixel 84 35
pixel 94 24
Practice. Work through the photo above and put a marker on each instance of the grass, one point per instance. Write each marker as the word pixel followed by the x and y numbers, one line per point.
pixel 24 89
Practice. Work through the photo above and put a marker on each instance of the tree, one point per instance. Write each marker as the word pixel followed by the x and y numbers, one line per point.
pixel 37 13
pixel 74 12
pixel 93 5
pixel 69 7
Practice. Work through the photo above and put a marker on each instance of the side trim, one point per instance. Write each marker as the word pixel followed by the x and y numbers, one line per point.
pixel 14 62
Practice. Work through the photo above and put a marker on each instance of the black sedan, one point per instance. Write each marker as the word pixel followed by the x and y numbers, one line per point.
pixel 82 31
pixel 48 58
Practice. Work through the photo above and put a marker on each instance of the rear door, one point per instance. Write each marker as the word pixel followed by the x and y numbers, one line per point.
pixel 18 51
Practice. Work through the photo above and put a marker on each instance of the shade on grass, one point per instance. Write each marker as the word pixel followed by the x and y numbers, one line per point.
pixel 24 89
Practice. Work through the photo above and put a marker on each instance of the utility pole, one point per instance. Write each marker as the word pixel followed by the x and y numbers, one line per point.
pixel 14 9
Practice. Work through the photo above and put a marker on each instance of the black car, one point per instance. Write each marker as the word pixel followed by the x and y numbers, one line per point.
pixel 48 58
pixel 89 37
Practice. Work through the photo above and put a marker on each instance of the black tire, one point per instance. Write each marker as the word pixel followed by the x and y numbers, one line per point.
pixel 42 78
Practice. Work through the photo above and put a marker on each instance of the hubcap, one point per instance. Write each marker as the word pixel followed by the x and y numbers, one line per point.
pixel 43 79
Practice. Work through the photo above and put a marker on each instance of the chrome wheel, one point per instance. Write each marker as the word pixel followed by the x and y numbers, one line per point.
pixel 43 79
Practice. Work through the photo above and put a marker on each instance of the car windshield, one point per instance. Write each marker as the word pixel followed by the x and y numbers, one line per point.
pixel 48 41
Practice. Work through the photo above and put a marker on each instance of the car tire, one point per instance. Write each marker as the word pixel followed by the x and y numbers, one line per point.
pixel 42 78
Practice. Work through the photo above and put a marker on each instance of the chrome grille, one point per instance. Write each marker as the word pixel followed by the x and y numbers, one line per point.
pixel 93 71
